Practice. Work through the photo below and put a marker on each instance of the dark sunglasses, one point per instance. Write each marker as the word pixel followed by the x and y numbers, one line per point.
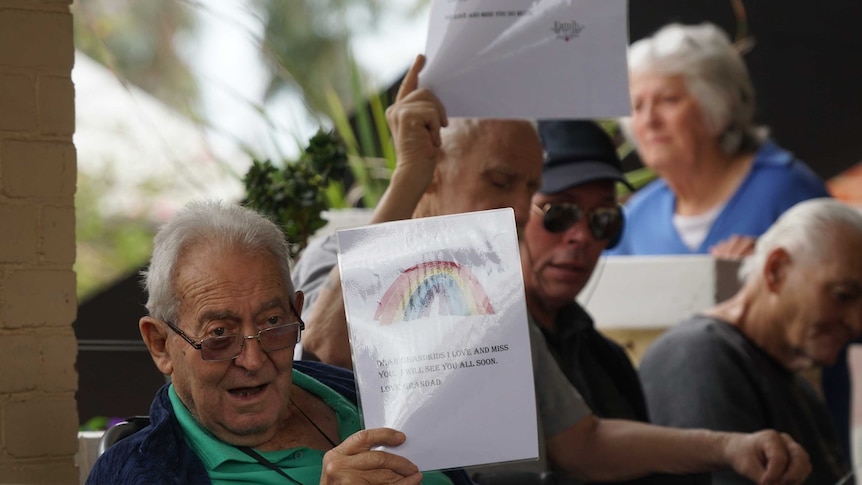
pixel 605 223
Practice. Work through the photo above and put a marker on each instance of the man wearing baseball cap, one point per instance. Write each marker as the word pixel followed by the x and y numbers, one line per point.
pixel 574 217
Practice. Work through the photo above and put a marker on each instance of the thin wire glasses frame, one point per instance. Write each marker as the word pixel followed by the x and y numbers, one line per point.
pixel 224 347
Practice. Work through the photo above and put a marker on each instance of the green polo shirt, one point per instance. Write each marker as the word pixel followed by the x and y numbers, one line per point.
pixel 225 464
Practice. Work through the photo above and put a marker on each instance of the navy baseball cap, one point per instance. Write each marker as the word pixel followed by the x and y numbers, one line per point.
pixel 577 152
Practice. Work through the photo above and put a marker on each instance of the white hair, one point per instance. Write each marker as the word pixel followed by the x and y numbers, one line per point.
pixel 215 224
pixel 456 137
pixel 803 231
pixel 714 74
pixel 461 134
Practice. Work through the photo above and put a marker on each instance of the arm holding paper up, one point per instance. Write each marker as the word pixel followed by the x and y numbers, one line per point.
pixel 442 168
pixel 415 120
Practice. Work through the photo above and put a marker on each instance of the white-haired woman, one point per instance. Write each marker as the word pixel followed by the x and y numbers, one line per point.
pixel 721 182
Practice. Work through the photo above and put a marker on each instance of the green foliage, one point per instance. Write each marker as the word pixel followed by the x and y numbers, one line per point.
pixel 294 195
pixel 371 159
pixel 326 155
pixel 638 177
pixel 137 41
pixel 107 246
pixel 96 423
pixel 306 45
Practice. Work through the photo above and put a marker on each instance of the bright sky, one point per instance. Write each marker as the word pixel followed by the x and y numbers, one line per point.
pixel 232 80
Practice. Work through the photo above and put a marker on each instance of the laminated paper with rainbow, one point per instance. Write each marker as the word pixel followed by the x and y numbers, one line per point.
pixel 439 336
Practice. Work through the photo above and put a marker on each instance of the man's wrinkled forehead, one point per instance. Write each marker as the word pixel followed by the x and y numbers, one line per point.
pixel 519 133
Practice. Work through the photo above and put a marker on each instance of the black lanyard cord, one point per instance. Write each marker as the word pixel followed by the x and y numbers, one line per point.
pixel 325 436
pixel 263 461
pixel 272 466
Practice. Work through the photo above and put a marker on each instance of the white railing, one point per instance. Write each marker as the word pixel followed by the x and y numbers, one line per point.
pixel 638 292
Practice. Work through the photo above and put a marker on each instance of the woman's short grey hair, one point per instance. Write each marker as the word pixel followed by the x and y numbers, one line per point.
pixel 213 223
pixel 803 231
pixel 715 75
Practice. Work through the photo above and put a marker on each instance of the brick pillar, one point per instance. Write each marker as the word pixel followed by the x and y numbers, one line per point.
pixel 38 417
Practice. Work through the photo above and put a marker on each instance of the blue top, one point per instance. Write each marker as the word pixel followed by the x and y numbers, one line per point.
pixel 160 453
pixel 776 182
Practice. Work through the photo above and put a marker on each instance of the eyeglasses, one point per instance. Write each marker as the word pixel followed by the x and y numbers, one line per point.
pixel 605 223
pixel 228 347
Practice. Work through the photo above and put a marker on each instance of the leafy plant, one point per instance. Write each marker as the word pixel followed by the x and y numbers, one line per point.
pixel 294 194
pixel 637 177
pixel 372 159
pixel 108 243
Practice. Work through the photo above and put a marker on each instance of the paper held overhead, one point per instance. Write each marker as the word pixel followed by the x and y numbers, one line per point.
pixel 529 58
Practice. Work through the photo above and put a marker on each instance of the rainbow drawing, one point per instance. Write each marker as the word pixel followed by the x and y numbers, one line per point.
pixel 453 287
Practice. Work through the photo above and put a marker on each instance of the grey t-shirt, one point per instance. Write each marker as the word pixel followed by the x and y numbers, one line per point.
pixel 558 404
pixel 704 373
pixel 313 268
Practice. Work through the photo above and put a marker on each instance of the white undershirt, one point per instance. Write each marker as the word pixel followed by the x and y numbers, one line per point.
pixel 693 229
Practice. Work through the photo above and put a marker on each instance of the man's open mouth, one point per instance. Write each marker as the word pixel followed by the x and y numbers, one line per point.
pixel 247 391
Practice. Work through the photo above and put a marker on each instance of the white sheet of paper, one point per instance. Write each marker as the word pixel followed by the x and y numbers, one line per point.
pixel 529 58
pixel 438 329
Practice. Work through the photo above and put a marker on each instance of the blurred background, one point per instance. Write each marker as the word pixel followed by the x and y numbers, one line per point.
pixel 181 99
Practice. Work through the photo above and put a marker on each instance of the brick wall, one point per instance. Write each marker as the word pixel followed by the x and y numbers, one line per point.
pixel 38 417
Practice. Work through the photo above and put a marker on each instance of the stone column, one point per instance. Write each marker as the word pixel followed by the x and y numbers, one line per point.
pixel 38 417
